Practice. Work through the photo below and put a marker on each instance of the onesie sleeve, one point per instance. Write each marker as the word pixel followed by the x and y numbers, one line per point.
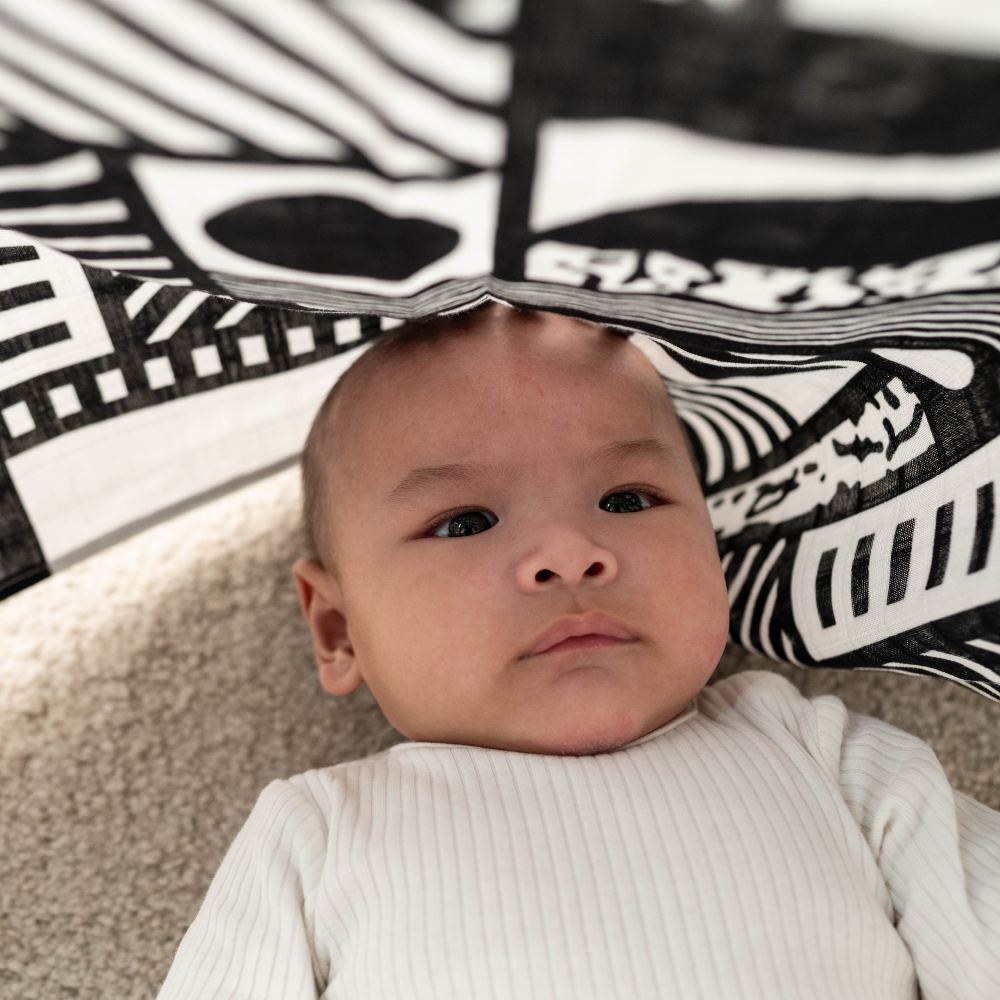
pixel 253 935
pixel 938 849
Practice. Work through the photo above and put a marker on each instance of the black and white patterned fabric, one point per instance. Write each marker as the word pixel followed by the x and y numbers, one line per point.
pixel 208 206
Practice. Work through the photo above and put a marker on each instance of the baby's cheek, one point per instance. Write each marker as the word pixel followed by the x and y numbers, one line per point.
pixel 713 644
pixel 707 609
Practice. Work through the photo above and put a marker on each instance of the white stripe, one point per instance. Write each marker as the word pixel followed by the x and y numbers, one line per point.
pixel 848 320
pixel 32 316
pixel 490 17
pixel 173 320
pixel 124 263
pixel 726 560
pixel 765 623
pixel 134 242
pixel 429 47
pixel 787 646
pixel 217 41
pixel 707 434
pixel 956 325
pixel 725 427
pixel 440 296
pixel 472 136
pixel 88 31
pixel 902 314
pixel 717 362
pixel 110 210
pixel 751 605
pixel 993 647
pixel 922 668
pixel 737 584
pixel 738 324
pixel 819 332
pixel 589 168
pixel 234 314
pixel 135 302
pixel 23 272
pixel 763 412
pixel 54 114
pixel 962 26
pixel 777 360
pixel 721 405
pixel 66 171
pixel 971 665
pixel 144 117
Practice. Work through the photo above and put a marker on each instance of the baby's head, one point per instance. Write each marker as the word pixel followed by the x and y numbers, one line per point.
pixel 433 590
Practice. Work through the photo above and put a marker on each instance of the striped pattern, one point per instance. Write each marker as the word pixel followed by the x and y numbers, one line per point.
pixel 974 314
pixel 869 572
pixel 759 845
pixel 62 203
pixel 966 665
pixel 48 316
pixel 755 578
pixel 819 264
pixel 762 588
pixel 299 80
pixel 24 281
pixel 733 426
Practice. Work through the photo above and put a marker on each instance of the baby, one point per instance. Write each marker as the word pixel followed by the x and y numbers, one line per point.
pixel 510 546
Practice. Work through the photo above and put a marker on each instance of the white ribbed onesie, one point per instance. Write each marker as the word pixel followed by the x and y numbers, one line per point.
pixel 759 846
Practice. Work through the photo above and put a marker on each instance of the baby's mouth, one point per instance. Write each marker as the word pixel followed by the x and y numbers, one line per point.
pixel 584 642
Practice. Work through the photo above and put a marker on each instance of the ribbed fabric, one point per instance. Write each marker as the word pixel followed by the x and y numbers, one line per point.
pixel 760 845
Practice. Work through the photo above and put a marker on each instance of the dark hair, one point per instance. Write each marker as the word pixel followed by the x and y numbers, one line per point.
pixel 316 468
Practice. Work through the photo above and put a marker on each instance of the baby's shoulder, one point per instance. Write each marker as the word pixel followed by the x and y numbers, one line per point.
pixel 767 701
pixel 754 687
pixel 336 781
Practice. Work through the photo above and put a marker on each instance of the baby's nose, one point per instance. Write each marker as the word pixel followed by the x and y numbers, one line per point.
pixel 569 564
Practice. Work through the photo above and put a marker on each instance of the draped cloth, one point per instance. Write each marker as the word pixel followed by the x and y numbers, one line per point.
pixel 208 208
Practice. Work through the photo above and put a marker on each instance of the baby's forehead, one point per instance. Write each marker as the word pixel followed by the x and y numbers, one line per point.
pixel 402 383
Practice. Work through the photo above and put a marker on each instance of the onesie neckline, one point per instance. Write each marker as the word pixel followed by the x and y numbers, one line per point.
pixel 687 713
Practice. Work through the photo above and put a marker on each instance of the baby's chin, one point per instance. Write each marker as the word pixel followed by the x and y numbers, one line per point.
pixel 587 728
pixel 588 746
pixel 585 741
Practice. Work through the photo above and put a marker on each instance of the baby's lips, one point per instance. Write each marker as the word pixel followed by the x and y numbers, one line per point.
pixel 592 623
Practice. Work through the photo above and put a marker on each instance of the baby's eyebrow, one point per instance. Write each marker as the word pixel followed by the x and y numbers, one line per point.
pixel 432 477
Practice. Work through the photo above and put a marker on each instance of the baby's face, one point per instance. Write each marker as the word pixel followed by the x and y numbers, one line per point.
pixel 447 587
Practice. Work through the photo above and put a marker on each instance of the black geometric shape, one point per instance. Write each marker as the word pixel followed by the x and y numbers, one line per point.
pixel 22 295
pixel 899 561
pixel 984 527
pixel 32 340
pixel 11 255
pixel 328 235
pixel 824 588
pixel 942 544
pixel 838 232
pixel 859 575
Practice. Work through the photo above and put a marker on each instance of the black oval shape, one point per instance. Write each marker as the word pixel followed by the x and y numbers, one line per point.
pixel 328 235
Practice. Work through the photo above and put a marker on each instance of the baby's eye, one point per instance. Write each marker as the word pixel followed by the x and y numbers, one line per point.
pixel 632 504
pixel 464 517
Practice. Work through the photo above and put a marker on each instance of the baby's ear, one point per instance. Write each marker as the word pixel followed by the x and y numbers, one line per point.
pixel 321 603
pixel 339 675
pixel 313 583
